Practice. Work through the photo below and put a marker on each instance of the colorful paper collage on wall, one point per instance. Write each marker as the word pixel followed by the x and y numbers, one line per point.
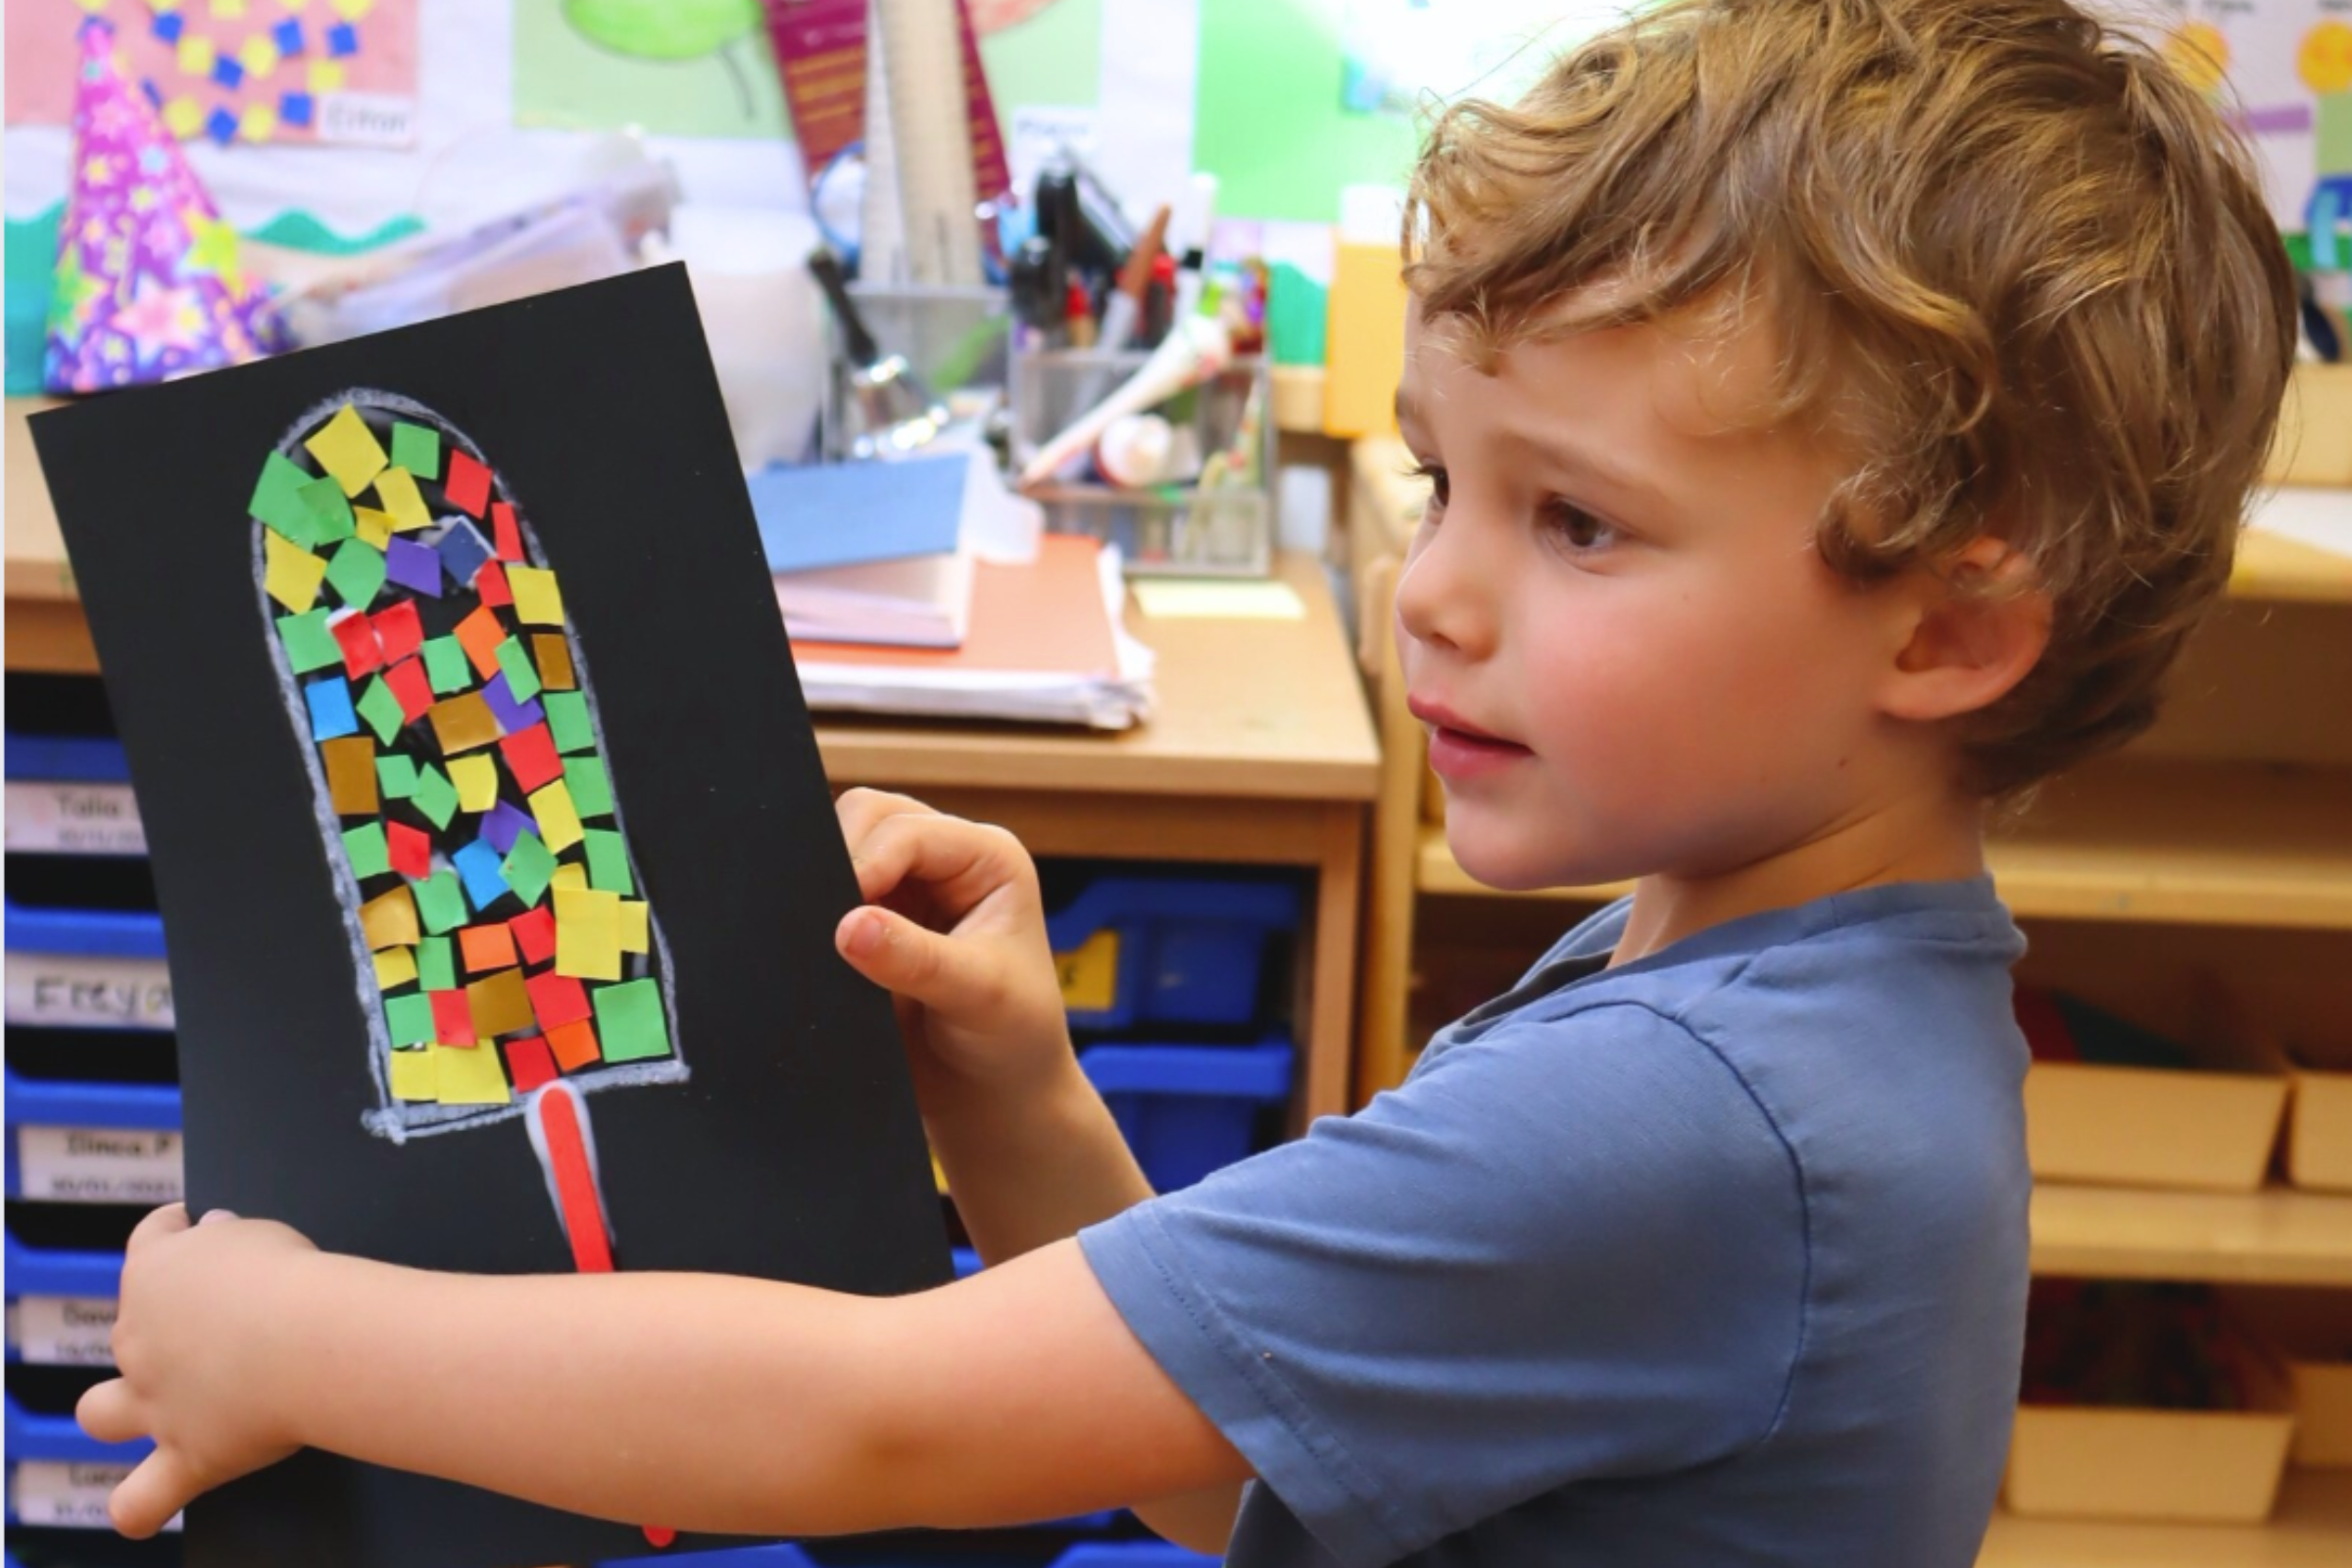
pixel 495 911
pixel 337 71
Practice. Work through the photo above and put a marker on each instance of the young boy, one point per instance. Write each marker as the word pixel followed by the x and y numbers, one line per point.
pixel 1837 412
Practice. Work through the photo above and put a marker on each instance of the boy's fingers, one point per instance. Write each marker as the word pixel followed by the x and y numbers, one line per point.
pixel 145 1500
pixel 108 1412
pixel 933 850
pixel 861 808
pixel 167 1220
pixel 896 953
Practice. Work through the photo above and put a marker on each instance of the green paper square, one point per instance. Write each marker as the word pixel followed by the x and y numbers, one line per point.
pixel 591 789
pixel 440 905
pixel 522 680
pixel 417 449
pixel 277 499
pixel 436 965
pixel 310 645
pixel 370 855
pixel 527 867
pixel 381 710
pixel 409 1019
pixel 435 796
pixel 630 1025
pixel 568 722
pixel 357 572
pixel 446 665
pixel 329 509
pixel 607 860
pixel 395 777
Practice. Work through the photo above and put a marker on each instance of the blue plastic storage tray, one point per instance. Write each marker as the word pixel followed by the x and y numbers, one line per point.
pixel 38 1275
pixel 41 1439
pixel 1187 952
pixel 125 1107
pixel 1187 1110
pixel 68 759
pixel 1132 1555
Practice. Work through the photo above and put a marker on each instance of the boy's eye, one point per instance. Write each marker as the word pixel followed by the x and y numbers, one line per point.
pixel 1577 527
pixel 1437 483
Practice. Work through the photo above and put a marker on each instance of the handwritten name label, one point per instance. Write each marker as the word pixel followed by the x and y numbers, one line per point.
pixel 100 1164
pixel 66 1494
pixel 71 993
pixel 366 120
pixel 65 1329
pixel 46 819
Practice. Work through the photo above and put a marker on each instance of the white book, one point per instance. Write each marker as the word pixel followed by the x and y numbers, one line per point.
pixel 914 602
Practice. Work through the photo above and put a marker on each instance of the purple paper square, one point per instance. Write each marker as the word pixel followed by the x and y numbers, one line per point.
pixel 463 552
pixel 512 717
pixel 413 566
pixel 505 823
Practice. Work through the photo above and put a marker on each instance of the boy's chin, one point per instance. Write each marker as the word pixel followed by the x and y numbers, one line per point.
pixel 1511 863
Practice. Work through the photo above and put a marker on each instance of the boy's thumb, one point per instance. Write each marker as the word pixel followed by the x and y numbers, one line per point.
pixel 896 953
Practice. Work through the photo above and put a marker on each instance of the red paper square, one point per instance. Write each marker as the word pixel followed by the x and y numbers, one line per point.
pixel 531 757
pixel 508 541
pixel 530 1063
pixel 397 632
pixel 490 585
pixel 558 1000
pixel 409 688
pixel 468 484
pixel 535 934
pixel 575 1045
pixel 412 850
pixel 355 634
pixel 453 1018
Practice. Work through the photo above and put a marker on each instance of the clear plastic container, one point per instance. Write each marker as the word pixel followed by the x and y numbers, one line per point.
pixel 953 338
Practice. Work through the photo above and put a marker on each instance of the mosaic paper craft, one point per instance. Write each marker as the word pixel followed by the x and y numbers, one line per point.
pixel 438 852
pixel 148 285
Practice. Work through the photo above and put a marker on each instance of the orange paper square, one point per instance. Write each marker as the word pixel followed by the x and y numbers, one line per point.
pixel 575 1045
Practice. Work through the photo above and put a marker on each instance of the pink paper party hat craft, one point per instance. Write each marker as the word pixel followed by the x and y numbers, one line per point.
pixel 149 285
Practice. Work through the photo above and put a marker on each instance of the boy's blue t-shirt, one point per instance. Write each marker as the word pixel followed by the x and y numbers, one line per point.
pixel 1715 1258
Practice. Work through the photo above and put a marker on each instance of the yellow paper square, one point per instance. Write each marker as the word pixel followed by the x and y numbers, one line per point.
pixel 291 574
pixel 260 55
pixel 572 876
pixel 257 123
pixel 184 118
pixel 228 9
pixel 477 777
pixel 389 920
pixel 347 449
pixel 636 927
pixel 397 489
pixel 412 1075
pixel 326 76
pixel 587 934
pixel 354 9
pixel 470 1075
pixel 558 823
pixel 374 526
pixel 395 966
pixel 196 54
pixel 536 600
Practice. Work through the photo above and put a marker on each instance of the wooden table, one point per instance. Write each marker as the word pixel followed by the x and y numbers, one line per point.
pixel 1260 752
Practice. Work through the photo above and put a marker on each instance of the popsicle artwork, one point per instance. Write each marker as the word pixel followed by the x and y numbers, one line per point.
pixel 506 959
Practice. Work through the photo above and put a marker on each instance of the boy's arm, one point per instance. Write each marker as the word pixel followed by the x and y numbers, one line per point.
pixel 697 1402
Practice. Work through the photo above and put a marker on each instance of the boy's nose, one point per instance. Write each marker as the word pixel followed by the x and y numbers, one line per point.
pixel 1443 598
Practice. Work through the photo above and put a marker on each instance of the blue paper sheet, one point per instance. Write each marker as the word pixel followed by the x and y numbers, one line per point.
pixel 837 515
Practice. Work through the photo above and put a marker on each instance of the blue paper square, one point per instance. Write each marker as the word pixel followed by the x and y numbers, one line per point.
pixel 331 713
pixel 342 39
pixel 154 95
pixel 413 566
pixel 506 823
pixel 477 869
pixel 288 35
pixel 294 107
pixel 221 126
pixel 512 717
pixel 227 73
pixel 463 552
pixel 169 25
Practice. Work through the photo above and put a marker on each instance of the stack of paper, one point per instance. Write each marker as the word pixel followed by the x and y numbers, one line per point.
pixel 869 552
pixel 1045 645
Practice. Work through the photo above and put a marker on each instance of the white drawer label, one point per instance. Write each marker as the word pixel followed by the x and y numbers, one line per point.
pixel 73 993
pixel 99 1164
pixel 73 819
pixel 66 1494
pixel 64 1330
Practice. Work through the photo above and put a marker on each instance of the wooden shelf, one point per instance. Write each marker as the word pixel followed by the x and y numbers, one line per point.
pixel 2274 1237
pixel 2179 842
pixel 2311 1529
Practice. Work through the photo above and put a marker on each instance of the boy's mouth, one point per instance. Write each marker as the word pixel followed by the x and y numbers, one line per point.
pixel 1460 751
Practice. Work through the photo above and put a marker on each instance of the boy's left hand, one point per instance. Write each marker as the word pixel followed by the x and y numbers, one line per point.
pixel 191 1341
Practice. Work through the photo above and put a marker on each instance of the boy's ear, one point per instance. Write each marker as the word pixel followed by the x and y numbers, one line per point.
pixel 1969 632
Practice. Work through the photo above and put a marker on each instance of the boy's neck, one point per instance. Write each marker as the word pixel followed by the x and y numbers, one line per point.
pixel 1922 839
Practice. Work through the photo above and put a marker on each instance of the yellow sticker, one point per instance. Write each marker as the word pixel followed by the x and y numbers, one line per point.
pixel 259 123
pixel 347 449
pixel 395 966
pixel 468 1075
pixel 536 600
pixel 1090 975
pixel 291 574
pixel 636 927
pixel 412 1075
pixel 573 876
pixel 196 54
pixel 374 526
pixel 587 934
pixel 558 823
pixel 326 76
pixel 260 56
pixel 477 777
pixel 397 489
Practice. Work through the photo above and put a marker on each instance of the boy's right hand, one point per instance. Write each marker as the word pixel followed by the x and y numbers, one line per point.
pixel 955 927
